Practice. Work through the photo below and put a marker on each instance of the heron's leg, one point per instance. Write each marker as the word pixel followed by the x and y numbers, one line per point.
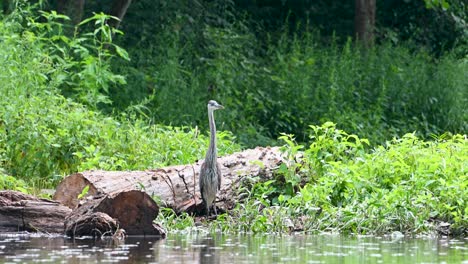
pixel 214 208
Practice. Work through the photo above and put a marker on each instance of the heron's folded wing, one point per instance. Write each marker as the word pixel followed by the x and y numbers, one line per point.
pixel 218 170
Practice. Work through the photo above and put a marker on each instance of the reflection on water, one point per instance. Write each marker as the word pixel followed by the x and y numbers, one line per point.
pixel 233 249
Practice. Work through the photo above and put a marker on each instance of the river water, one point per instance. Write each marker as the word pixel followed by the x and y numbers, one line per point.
pixel 205 248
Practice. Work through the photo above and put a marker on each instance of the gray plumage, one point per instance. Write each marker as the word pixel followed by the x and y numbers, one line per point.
pixel 210 172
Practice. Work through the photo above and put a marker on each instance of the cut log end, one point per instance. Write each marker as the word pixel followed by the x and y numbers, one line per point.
pixel 67 192
pixel 133 211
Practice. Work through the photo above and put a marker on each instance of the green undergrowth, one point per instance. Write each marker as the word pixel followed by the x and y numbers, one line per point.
pixel 338 183
pixel 44 135
pixel 8 182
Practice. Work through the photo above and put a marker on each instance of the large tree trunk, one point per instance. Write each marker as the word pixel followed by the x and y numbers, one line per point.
pixel 22 212
pixel 364 21
pixel 176 186
pixel 71 8
pixel 119 8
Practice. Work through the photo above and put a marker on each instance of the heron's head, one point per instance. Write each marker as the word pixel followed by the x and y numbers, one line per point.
pixel 213 105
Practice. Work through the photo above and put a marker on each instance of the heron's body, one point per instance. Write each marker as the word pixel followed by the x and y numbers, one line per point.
pixel 210 184
pixel 210 172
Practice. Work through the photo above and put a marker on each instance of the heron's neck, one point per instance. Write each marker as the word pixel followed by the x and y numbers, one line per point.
pixel 212 153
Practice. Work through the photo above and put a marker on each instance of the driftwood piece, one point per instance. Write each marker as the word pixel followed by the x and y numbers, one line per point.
pixel 22 212
pixel 175 186
pixel 133 211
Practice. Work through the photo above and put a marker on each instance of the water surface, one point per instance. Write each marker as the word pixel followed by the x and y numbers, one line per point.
pixel 205 248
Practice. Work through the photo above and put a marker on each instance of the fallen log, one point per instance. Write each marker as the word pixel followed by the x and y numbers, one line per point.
pixel 175 186
pixel 132 211
pixel 22 212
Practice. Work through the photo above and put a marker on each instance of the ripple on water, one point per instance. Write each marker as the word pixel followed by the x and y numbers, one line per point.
pixel 234 249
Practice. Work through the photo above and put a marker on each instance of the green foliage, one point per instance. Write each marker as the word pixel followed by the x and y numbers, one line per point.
pixel 376 94
pixel 328 144
pixel 407 185
pixel 83 193
pixel 8 182
pixel 287 81
pixel 44 135
pixel 438 25
pixel 437 3
pixel 173 222
pixel 81 62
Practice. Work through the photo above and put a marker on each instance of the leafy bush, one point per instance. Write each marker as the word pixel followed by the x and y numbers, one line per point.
pixel 81 62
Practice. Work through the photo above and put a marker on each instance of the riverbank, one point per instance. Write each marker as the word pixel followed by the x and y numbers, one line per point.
pixel 338 183
pixel 57 118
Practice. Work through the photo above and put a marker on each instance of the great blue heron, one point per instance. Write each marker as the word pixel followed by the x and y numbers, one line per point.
pixel 210 172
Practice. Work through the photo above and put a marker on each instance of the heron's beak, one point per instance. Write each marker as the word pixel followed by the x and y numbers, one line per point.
pixel 220 107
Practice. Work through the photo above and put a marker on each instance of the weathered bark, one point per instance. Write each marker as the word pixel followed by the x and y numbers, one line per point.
pixel 21 212
pixel 364 21
pixel 95 224
pixel 133 211
pixel 176 186
pixel 119 8
pixel 71 8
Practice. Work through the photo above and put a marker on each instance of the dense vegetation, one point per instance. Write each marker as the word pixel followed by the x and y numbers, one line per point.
pixel 74 99
pixel 337 186
pixel 44 135
pixel 276 79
